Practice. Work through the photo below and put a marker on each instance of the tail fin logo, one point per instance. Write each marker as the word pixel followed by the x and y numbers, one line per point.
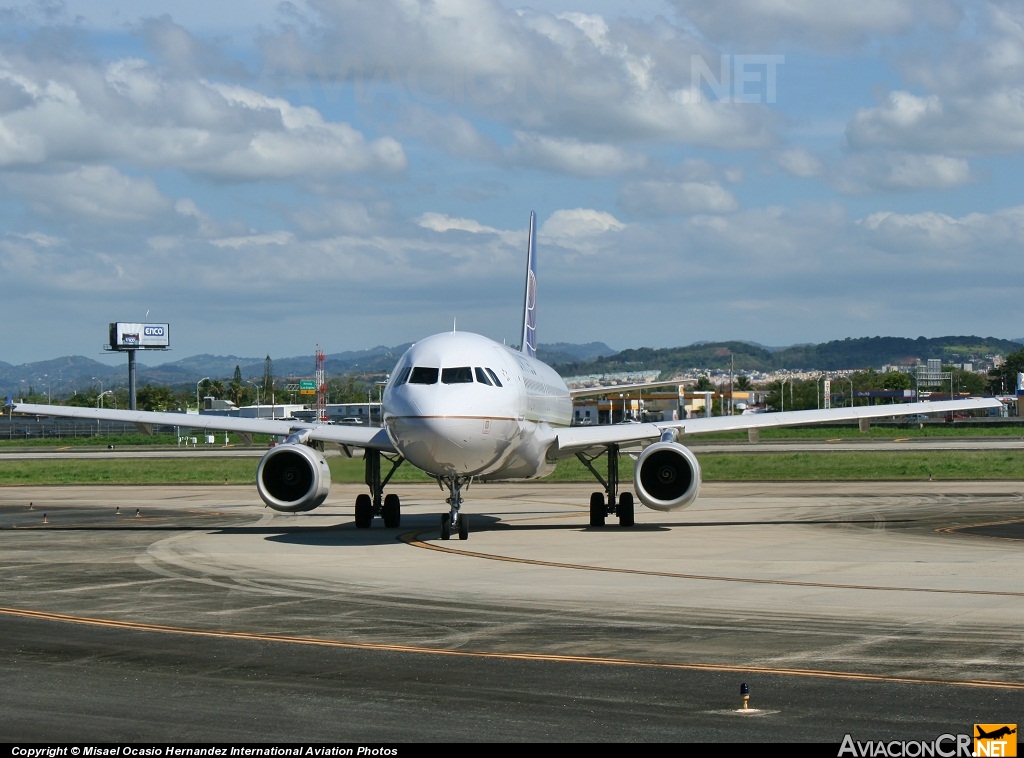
pixel 530 298
pixel 530 334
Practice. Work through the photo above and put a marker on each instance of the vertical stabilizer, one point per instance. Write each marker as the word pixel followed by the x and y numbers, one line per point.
pixel 529 343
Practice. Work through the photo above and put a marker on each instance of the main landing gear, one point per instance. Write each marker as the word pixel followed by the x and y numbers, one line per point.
pixel 389 508
pixel 603 504
pixel 455 519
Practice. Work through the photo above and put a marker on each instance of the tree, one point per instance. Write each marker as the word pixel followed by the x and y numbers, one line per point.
pixel 1003 379
pixel 896 380
pixel 347 390
pixel 151 398
pixel 268 381
pixel 968 382
pixel 84 399
pixel 799 395
pixel 237 387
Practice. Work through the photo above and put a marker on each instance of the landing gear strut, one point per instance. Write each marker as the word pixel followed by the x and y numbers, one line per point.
pixel 376 504
pixel 455 518
pixel 603 504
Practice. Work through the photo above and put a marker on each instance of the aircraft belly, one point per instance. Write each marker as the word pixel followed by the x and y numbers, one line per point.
pixel 455 446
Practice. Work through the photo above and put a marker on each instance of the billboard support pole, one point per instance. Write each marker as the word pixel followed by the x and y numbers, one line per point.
pixel 131 380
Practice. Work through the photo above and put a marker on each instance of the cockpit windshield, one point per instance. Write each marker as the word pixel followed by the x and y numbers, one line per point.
pixel 423 375
pixel 458 375
pixel 452 375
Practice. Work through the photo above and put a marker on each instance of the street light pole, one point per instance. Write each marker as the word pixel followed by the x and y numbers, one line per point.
pixel 732 373
pixel 257 397
pixel 198 405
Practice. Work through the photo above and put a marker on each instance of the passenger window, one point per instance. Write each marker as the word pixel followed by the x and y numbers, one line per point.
pixel 497 382
pixel 457 375
pixel 423 375
pixel 481 376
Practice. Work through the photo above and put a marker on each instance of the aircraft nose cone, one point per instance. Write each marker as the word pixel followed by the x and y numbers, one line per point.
pixel 447 446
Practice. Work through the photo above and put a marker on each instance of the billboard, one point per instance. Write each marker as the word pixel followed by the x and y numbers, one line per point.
pixel 131 336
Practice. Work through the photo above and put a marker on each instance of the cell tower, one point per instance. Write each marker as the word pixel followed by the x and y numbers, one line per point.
pixel 321 386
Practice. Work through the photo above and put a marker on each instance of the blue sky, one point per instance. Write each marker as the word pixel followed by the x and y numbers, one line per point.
pixel 267 177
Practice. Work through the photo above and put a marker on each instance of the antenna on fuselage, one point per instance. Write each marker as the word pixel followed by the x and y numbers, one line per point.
pixel 454 321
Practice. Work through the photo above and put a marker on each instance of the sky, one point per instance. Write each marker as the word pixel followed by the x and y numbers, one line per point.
pixel 271 177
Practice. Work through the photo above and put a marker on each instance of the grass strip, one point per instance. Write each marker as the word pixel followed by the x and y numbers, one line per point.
pixel 732 467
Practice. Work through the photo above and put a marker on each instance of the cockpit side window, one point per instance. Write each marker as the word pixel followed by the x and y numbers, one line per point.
pixel 481 376
pixel 423 375
pixel 457 375
pixel 401 377
pixel 497 382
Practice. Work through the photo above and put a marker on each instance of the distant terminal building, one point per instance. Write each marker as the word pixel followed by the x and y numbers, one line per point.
pixel 658 405
pixel 337 413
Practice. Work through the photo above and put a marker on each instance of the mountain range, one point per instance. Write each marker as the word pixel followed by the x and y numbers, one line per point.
pixel 76 372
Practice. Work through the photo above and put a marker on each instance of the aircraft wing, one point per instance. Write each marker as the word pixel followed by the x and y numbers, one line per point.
pixel 570 440
pixel 352 436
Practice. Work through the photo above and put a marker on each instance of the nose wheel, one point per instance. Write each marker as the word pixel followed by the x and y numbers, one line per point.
pixel 454 519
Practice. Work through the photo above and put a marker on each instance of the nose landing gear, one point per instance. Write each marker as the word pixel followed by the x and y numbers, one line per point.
pixel 455 519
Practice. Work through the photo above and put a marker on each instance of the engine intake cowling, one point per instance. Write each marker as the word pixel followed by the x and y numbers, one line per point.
pixel 293 478
pixel 667 476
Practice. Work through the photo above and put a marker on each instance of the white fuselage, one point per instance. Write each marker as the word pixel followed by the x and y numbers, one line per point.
pixel 458 404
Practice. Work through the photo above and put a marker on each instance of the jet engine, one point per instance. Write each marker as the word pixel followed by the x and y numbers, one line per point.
pixel 293 478
pixel 667 476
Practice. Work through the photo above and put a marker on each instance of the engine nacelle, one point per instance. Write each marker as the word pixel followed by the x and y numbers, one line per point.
pixel 293 478
pixel 667 476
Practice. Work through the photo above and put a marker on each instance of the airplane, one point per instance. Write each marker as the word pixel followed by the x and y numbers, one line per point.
pixel 995 734
pixel 464 408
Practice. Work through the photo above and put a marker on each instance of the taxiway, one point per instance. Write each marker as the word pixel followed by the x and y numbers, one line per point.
pixel 882 610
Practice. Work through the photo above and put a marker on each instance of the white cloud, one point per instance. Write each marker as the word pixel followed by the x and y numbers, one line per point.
pixel 901 115
pixel 567 76
pixel 671 198
pixel 983 122
pixel 816 24
pixel 895 171
pixel 564 226
pixel 451 133
pixel 976 243
pixel 799 162
pixel 96 193
pixel 910 231
pixel 130 110
pixel 572 156
pixel 278 238
pixel 962 95
pixel 439 222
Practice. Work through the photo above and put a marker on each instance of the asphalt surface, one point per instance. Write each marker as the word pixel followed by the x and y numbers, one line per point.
pixel 887 611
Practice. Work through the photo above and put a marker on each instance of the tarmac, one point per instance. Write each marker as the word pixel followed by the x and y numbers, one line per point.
pixel 884 611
